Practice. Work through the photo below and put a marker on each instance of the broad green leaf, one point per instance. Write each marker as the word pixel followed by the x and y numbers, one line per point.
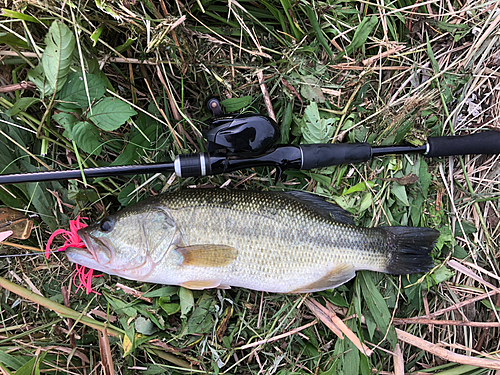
pixel 127 156
pixel 123 196
pixel 144 326
pixel 166 291
pixel 360 186
pixel 121 307
pixel 317 29
pixel 107 9
pixel 21 105
pixel 12 40
pixel 294 26
pixel 489 305
pixel 125 45
pixel 311 90
pixel 37 76
pixel 129 153
pixel 236 104
pixel 129 342
pixel 66 120
pixel 74 92
pixel 459 252
pixel 361 34
pixel 32 367
pixel 169 308
pixel 322 179
pixel 29 368
pixel 96 35
pixel 13 362
pixel 286 122
pixel 39 197
pixel 57 55
pixel 154 370
pixel 201 320
pixel 187 300
pixel 377 306
pixel 157 320
pixel 424 177
pixel 399 192
pixel 371 326
pixel 366 202
pixel 87 137
pixel 111 113
pixel 442 274
pixel 351 358
pixel 82 195
pixel 416 210
pixel 316 129
pixel 18 16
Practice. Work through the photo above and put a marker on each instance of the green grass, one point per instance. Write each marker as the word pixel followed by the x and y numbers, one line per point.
pixel 378 72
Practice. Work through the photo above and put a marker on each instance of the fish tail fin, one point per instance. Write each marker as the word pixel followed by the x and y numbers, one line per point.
pixel 409 249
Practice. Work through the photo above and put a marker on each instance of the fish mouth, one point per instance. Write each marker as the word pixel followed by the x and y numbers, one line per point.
pixel 88 256
pixel 83 257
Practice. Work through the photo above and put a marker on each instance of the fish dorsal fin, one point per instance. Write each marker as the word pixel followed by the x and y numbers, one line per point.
pixel 320 205
pixel 333 278
pixel 207 255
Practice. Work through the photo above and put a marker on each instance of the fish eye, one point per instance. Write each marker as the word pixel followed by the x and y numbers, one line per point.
pixel 107 224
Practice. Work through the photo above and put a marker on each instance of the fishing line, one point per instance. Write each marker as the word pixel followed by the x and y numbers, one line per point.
pixel 28 254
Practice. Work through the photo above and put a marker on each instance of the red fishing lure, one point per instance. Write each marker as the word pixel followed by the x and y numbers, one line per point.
pixel 73 240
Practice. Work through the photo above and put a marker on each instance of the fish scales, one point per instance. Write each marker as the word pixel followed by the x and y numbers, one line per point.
pixel 277 238
pixel 268 241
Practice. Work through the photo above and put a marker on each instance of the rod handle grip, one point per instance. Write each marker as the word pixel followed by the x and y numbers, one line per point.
pixel 325 155
pixel 478 143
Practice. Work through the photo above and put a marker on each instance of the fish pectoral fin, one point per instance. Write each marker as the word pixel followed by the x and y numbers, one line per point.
pixel 333 278
pixel 207 255
pixel 202 284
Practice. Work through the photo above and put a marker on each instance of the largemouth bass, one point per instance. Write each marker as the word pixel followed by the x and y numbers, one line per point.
pixel 292 242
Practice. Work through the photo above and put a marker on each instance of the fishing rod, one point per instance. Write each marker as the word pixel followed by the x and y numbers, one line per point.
pixel 241 141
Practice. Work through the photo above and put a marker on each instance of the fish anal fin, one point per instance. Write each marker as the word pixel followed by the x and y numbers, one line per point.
pixel 323 207
pixel 207 255
pixel 333 278
pixel 201 284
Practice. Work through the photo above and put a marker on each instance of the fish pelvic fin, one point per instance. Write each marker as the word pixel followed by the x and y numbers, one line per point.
pixel 339 275
pixel 203 284
pixel 207 255
pixel 409 249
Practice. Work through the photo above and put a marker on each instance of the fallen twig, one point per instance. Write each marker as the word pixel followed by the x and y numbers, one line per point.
pixel 446 354
pixel 278 337
pixel 462 323
pixel 332 321
pixel 265 95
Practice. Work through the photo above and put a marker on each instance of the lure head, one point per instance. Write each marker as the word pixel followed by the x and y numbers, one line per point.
pixel 128 244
